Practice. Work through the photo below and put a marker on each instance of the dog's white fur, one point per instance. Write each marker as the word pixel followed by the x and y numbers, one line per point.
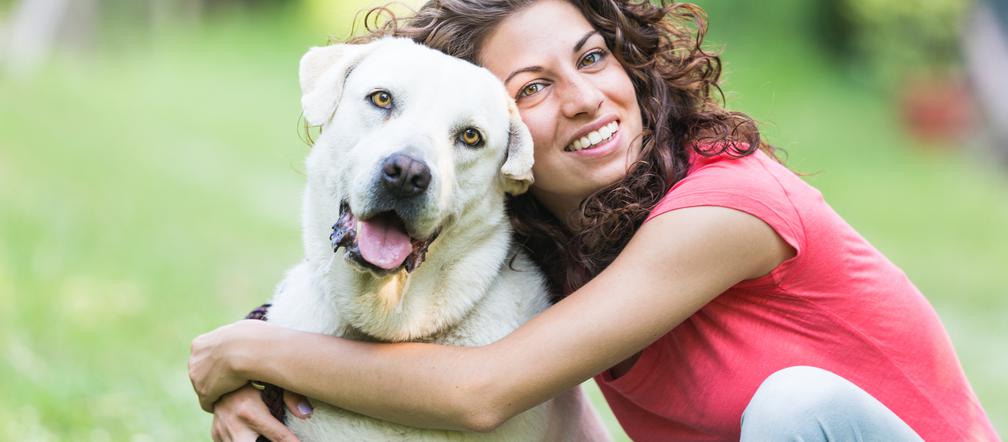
pixel 467 292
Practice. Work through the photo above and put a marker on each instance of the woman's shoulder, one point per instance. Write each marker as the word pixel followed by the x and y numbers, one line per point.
pixel 734 172
pixel 755 184
pixel 755 180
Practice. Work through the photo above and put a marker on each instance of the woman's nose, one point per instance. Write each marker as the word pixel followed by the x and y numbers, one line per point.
pixel 581 97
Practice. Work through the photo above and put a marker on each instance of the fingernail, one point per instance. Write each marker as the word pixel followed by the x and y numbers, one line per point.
pixel 304 408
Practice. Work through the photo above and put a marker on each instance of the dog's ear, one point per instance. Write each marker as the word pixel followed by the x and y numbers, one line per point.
pixel 323 71
pixel 517 168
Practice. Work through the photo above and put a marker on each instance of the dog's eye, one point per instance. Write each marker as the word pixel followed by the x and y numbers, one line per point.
pixel 471 137
pixel 382 99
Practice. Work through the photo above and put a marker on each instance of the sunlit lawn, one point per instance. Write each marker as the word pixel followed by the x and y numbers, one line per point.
pixel 149 195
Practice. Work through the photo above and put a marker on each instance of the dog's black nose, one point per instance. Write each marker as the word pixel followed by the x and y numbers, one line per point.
pixel 404 176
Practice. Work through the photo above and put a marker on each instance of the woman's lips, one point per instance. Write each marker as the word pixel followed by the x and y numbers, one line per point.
pixel 593 137
pixel 602 149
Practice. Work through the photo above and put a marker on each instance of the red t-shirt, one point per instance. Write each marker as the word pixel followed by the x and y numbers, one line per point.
pixel 838 305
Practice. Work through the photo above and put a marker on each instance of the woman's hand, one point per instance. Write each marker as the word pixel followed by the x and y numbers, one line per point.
pixel 215 356
pixel 242 416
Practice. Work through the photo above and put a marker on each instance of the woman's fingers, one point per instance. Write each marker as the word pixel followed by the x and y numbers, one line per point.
pixel 236 433
pixel 217 431
pixel 267 425
pixel 297 405
pixel 241 416
pixel 206 367
pixel 213 357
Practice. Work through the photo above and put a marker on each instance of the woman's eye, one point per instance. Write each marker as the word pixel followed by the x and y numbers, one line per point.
pixel 530 89
pixel 591 58
pixel 382 99
pixel 471 137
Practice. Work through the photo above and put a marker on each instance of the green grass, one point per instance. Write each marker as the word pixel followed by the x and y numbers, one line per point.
pixel 152 193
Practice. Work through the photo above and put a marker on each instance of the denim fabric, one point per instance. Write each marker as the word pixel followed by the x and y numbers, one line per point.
pixel 811 404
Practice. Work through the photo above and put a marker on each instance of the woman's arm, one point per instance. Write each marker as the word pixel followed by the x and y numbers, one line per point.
pixel 672 266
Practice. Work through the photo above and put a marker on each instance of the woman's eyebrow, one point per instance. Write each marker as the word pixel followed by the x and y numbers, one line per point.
pixel 581 42
pixel 577 47
pixel 524 69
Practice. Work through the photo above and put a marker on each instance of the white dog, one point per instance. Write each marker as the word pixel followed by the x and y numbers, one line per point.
pixel 416 153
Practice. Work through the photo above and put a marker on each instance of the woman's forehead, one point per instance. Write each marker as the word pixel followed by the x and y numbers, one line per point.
pixel 544 29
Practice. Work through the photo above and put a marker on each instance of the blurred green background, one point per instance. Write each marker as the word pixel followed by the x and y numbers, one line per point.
pixel 151 169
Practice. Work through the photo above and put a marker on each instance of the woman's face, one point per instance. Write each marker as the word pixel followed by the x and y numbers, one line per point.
pixel 575 98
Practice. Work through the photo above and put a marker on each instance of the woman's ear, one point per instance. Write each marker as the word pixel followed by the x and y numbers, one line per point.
pixel 323 71
pixel 517 169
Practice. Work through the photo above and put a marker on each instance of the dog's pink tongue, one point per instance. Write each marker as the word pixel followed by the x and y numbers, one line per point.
pixel 383 242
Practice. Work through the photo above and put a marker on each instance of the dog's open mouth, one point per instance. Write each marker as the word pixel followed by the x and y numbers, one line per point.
pixel 380 242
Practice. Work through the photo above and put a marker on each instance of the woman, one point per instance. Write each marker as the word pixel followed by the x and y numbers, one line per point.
pixel 711 292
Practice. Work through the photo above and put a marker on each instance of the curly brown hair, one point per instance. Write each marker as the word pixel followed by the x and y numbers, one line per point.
pixel 660 47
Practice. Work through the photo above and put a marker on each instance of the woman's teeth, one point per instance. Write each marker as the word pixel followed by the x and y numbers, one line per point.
pixel 593 138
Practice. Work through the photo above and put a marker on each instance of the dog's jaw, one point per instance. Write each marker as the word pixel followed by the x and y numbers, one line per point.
pixel 344 234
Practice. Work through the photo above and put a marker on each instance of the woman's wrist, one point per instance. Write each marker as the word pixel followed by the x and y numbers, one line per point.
pixel 247 353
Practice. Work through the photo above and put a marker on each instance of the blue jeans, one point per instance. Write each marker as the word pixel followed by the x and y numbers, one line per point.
pixel 811 404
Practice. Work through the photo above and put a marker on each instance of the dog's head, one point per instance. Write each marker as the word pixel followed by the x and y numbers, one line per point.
pixel 410 139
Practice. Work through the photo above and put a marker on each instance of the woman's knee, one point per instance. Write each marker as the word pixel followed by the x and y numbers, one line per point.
pixel 796 394
pixel 810 403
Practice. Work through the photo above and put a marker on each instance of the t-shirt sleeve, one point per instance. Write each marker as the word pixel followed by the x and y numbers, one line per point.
pixel 751 184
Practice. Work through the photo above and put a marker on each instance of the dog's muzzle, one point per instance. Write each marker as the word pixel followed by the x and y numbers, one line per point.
pixel 380 243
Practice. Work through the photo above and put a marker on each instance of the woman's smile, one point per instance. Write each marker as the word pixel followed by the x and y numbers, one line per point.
pixel 596 142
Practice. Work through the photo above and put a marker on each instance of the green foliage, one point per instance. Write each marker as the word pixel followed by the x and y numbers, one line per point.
pixel 907 35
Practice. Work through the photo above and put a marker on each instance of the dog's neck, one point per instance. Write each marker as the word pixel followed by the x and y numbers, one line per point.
pixel 388 289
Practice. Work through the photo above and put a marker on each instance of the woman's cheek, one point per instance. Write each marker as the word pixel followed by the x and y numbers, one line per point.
pixel 536 126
